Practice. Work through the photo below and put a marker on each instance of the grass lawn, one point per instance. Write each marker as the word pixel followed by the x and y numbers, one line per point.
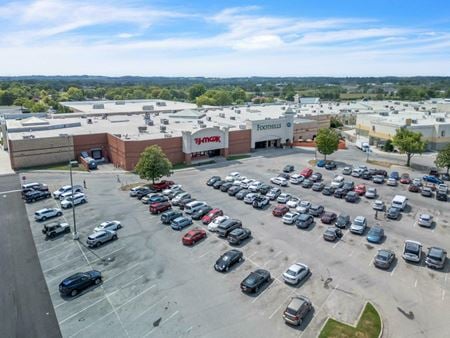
pixel 369 326
pixel 237 157
pixel 60 166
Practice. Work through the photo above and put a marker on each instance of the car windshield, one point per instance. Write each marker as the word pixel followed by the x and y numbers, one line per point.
pixel 225 258
pixel 412 248
pixel 425 217
pixel 435 254
pixel 359 221
pixel 304 203
pixel 291 272
pixel 382 256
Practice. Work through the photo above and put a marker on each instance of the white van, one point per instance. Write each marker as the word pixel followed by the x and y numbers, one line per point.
pixel 399 202
pixel 192 207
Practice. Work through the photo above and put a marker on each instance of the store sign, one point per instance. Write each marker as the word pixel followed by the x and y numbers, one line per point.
pixel 207 139
pixel 268 126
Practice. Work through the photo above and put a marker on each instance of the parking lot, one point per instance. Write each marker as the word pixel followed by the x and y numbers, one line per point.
pixel 153 286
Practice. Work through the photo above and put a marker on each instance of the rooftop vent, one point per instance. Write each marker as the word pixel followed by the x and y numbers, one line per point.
pixel 238 111
pixel 208 118
pixel 232 117
pixel 161 104
pixel 222 115
pixel 164 121
pixel 119 102
pixel 63 135
pixel 148 107
pixel 414 121
pixel 242 126
pixel 162 128
pixel 440 119
pixel 142 129
pixel 98 106
pixel 27 137
pixel 167 135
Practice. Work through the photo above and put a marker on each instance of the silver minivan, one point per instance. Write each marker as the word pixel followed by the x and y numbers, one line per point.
pixel 192 207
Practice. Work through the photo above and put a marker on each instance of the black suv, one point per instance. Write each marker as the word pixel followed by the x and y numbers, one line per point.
pixel 340 193
pixel 348 185
pixel 288 168
pixel 201 212
pixel 343 221
pixel 213 180
pixel 238 235
pixel 366 175
pixel 78 282
pixel 441 196
pixel 234 190
pixel 144 191
pixel 36 195
pixel 227 226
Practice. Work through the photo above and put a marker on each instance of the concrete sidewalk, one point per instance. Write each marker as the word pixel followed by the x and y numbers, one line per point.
pixel 5 164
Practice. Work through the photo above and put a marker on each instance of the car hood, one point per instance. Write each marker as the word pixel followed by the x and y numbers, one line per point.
pixel 357 227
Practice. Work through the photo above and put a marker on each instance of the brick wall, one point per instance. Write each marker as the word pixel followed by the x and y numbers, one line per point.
pixel 239 141
pixel 90 141
pixel 116 150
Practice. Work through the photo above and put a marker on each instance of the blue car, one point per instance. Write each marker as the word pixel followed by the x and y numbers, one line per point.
pixel 321 163
pixel 181 222
pixel 432 179
pixel 375 235
pixel 395 175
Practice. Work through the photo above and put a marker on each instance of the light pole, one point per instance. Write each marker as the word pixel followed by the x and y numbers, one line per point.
pixel 75 233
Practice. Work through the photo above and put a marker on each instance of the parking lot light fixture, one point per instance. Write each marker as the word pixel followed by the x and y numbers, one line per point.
pixel 75 233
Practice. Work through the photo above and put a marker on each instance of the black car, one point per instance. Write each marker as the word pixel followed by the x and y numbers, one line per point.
pixel 318 186
pixel 260 202
pixel 304 221
pixel 234 190
pixel 218 184
pixel 183 202
pixel 224 187
pixel 284 175
pixel 330 165
pixel 144 191
pixel 328 190
pixel 348 185
pixel 168 216
pixel 343 221
pixel 253 282
pixel 307 184
pixel 340 193
pixel 366 175
pixel 36 195
pixel 288 168
pixel 201 212
pixel 212 180
pixel 227 260
pixel 381 172
pixel 238 235
pixel 441 196
pixel 224 228
pixel 316 210
pixel 393 213
pixel 78 282
pixel 241 194
pixel 264 189
pixel 351 197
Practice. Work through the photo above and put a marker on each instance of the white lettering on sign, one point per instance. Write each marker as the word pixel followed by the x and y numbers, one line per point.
pixel 268 126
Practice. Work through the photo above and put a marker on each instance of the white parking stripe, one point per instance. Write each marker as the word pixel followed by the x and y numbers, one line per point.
pixel 149 308
pixel 443 294
pixel 276 310
pixel 56 246
pixel 82 310
pixel 9 191
pixel 122 272
pixel 163 322
pixel 203 255
pixel 393 270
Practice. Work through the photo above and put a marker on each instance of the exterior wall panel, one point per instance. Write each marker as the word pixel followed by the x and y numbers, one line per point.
pixel 239 141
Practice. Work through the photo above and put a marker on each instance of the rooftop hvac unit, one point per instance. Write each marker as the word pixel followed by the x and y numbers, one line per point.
pixel 267 118
pixel 27 137
pixel 202 125
pixel 199 121
pixel 395 112
pixel 149 122
pixel 440 119
pixel 98 106
pixel 118 135
pixel 157 114
pixel 242 126
pixel 119 102
pixel 414 121
pixel 142 129
pixel 238 111
pixel 164 121
pixel 167 135
pixel 162 128
pixel 232 117
pixel 384 113
pixel 161 104
pixel 63 135
pixel 222 115
pixel 208 118
pixel 148 107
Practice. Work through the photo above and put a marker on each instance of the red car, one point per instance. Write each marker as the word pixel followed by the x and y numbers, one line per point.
pixel 160 186
pixel 306 172
pixel 405 179
pixel 328 217
pixel 193 236
pixel 156 208
pixel 360 189
pixel 210 216
pixel 280 210
pixel 413 188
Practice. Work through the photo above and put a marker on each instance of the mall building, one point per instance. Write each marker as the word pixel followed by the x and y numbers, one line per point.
pixel 118 132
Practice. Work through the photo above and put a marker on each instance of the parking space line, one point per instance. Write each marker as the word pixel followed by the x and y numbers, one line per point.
pixel 9 191
pixel 134 280
pixel 102 257
pixel 82 310
pixel 56 246
pixel 270 287
pixel 443 295
pixel 203 255
pixel 163 322
pixel 149 308
pixel 61 264
pixel 393 270
pixel 253 254
pixel 276 310
pixel 415 283
pixel 123 271
pixel 351 253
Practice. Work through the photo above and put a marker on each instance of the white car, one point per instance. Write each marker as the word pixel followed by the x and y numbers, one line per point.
pixel 279 181
pixel 108 225
pixel 425 220
pixel 290 217
pixel 337 182
pixel 246 183
pixel 371 192
pixel 212 226
pixel 296 179
pixel 378 205
pixel 412 251
pixel 249 198
pixel 237 182
pixel 233 176
pixel 392 182
pixel 66 188
pixel 69 202
pixel 283 198
pixel 296 273
pixel 359 225
pixel 255 186
pixel 442 188
pixel 417 181
pixel 303 207
pixel 293 202
pixel 173 188
pixel 179 197
pixel 46 213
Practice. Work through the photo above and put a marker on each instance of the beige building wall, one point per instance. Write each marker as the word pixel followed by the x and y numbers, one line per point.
pixel 40 151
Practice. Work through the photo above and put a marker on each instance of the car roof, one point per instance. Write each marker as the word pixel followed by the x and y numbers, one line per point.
pixel 296 303
pixel 297 267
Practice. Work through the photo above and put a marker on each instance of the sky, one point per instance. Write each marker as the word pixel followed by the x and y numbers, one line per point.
pixel 225 38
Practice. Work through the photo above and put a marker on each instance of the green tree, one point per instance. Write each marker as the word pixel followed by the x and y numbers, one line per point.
pixel 443 158
pixel 75 94
pixel 335 123
pixel 327 141
pixel 196 91
pixel 153 164
pixel 388 146
pixel 409 142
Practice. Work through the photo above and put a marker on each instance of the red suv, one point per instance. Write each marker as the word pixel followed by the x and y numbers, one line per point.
pixel 280 210
pixel 160 186
pixel 210 216
pixel 193 236
pixel 156 208
pixel 360 189
pixel 306 172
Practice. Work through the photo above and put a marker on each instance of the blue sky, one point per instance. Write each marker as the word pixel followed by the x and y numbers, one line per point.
pixel 225 38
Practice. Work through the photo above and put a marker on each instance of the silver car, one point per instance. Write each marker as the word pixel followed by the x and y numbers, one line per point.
pixel 283 198
pixel 371 193
pixel 412 251
pixel 359 225
pixel 296 273
pixel 100 237
pixel 108 225
pixel 425 220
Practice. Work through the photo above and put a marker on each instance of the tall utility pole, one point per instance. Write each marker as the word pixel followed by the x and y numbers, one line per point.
pixel 75 233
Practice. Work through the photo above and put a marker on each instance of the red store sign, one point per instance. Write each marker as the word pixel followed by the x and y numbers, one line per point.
pixel 207 139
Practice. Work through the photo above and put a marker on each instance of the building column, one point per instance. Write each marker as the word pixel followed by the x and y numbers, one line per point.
pixel 224 152
pixel 187 158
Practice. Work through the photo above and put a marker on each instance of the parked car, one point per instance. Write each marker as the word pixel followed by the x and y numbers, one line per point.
pixel 218 184
pixel 227 185
pixel 180 223
pixel 340 193
pixel 232 176
pixel 174 193
pixel 347 171
pixel 288 168
pixel 393 213
pixel 255 280
pixel 227 260
pixel 405 179
pixel 46 213
pixel 164 184
pixel 360 189
pixel 331 234
pixel 316 177
pixel 73 285
pixel 286 176
pixel 68 188
pixel 343 221
pixel 101 237
pixel 412 251
pixel 359 225
pixel 375 234
pixel 273 193
pixel 436 258
pixel 321 163
pixel 109 225
pixel 445 177
pixel 193 236
pixel 175 201
pixel 366 175
pixel 280 210
pixel 303 221
pixel 33 186
pixel 210 216
pixel 199 213
pixel 242 193
pixel 36 195
pixel 328 217
pixel 296 273
pixel 290 217
pixel 328 190
pixel 283 198
pixel 224 228
pixel 318 186
pixel 306 172
pixel 255 186
pixel 330 165
pixel 143 191
pixel 351 197
pixel 246 183
pixel 395 175
pixel 212 180
pixel 307 183
pixel 53 229
pixel 297 309
pixel 442 188
pixel 303 207
pixel 249 198
pixel 265 188
pixel 182 204
pixel 168 216
pixel 238 235
pixel 425 220
pixel 384 259
pixel 378 205
pixel 159 207
pixel 261 202
pixel 426 192
pixel 76 199
pixel 371 193
pixel 337 182
pixel 293 202
pixel 440 196
pixel 296 179
pixel 417 181
pixel 432 179
pixel 157 198
pixel 392 182
pixel 349 186
pixel 316 210
pixel 215 224
pixel 414 188
pixel 378 179
pixel 279 181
